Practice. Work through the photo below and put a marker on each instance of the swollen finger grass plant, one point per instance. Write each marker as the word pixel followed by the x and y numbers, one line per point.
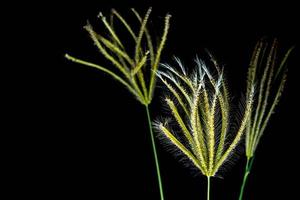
pixel 270 78
pixel 200 109
pixel 135 70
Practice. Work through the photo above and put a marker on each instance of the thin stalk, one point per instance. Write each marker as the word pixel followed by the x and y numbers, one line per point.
pixel 155 155
pixel 208 188
pixel 246 174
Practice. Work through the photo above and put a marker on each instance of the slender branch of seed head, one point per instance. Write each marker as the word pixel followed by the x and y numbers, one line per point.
pixel 173 139
pixel 239 132
pixel 184 78
pixel 201 138
pixel 176 95
pixel 199 148
pixel 93 35
pixel 115 49
pixel 149 40
pixel 273 105
pixel 139 65
pixel 266 97
pixel 111 31
pixel 178 85
pixel 253 66
pixel 140 35
pixel 115 76
pixel 180 121
pixel 123 21
pixel 111 23
pixel 158 55
pixel 250 81
pixel 210 130
pixel 284 60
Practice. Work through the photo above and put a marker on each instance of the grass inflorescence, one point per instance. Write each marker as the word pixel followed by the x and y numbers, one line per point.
pixel 131 67
pixel 200 107
pixel 269 74
pixel 135 69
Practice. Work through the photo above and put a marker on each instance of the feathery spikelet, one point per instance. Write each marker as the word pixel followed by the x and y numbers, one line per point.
pixel 132 67
pixel 197 99
pixel 270 86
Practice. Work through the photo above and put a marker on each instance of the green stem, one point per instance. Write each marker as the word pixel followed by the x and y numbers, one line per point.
pixel 208 187
pixel 155 155
pixel 246 174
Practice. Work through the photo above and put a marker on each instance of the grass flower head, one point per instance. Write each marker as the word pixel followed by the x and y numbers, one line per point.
pixel 200 107
pixel 135 70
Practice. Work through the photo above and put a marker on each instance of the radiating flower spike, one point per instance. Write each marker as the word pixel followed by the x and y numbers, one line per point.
pixel 132 67
pixel 198 97
pixel 135 70
pixel 270 78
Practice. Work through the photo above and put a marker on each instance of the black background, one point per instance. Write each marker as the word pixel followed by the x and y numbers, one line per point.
pixel 89 137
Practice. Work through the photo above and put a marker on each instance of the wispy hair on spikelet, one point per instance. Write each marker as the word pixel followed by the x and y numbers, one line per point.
pixel 132 68
pixel 270 77
pixel 201 110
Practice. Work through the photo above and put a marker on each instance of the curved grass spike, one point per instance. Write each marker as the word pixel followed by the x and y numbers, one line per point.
pixel 270 78
pixel 196 116
pixel 132 68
